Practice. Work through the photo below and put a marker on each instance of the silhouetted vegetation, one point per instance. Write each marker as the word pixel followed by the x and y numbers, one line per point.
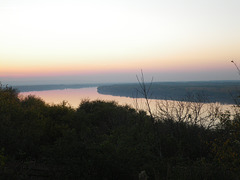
pixel 103 140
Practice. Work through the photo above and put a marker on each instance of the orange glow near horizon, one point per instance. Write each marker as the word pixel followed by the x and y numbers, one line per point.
pixel 179 60
pixel 168 65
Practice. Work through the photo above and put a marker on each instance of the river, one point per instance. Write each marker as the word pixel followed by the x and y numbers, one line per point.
pixel 75 96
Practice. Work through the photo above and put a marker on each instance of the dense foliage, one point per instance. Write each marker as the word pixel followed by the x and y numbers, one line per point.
pixel 103 140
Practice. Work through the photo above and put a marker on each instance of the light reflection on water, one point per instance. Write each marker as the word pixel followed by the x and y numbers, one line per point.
pixel 75 96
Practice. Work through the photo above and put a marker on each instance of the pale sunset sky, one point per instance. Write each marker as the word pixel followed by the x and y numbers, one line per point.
pixel 94 41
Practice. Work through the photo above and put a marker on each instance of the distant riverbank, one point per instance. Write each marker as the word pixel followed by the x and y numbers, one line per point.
pixel 28 88
pixel 225 92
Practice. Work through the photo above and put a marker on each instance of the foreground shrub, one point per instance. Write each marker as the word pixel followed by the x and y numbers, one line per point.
pixel 103 140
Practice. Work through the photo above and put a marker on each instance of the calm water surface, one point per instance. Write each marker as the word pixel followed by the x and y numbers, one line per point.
pixel 75 96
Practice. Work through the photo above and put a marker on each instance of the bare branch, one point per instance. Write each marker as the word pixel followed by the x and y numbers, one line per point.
pixel 236 67
pixel 144 90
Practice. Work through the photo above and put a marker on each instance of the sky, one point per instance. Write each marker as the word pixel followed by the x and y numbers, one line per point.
pixel 92 41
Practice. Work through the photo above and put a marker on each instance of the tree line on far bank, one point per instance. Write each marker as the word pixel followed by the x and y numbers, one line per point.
pixel 215 91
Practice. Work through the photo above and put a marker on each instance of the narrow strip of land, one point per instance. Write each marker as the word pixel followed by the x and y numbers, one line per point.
pixel 206 91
